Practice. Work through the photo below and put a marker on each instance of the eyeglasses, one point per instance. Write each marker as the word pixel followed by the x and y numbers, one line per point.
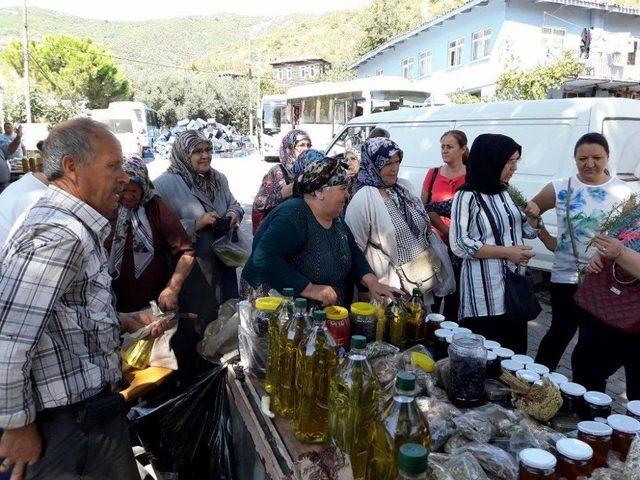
pixel 200 151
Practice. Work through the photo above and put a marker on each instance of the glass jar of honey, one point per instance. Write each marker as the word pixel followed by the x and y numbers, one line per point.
pixel 633 409
pixel 596 404
pixel 598 436
pixel 528 376
pixel 510 366
pixel 441 346
pixel 537 464
pixel 503 353
pixel 493 366
pixel 574 458
pixel 572 397
pixel 538 368
pixel 557 379
pixel 491 344
pixel 526 359
pixel 625 429
pixel 434 320
pixel 449 325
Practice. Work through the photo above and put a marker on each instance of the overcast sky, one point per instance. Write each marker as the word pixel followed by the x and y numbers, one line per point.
pixel 153 9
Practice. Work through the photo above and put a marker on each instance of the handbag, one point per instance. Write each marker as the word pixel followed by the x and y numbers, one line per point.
pixel 520 301
pixel 611 298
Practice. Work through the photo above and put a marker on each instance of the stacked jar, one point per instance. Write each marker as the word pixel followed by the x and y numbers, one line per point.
pixel 363 320
pixel 625 429
pixel 598 436
pixel 537 464
pixel 574 459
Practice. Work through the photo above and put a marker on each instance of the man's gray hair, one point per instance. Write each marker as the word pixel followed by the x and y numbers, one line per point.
pixel 71 138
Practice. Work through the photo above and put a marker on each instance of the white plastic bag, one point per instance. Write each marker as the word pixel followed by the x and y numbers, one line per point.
pixel 233 249
pixel 449 285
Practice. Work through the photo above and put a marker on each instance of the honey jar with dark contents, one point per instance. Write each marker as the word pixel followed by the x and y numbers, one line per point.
pixel 433 322
pixel 596 405
pixel 598 436
pixel 625 429
pixel 537 464
pixel 633 409
pixel 572 397
pixel 574 459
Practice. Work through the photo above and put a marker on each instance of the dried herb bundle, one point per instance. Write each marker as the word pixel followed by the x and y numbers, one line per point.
pixel 517 196
pixel 621 215
pixel 541 402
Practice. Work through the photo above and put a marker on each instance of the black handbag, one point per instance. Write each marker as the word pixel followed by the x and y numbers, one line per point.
pixel 520 301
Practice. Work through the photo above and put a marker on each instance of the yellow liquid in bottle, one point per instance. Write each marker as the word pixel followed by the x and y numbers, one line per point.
pixel 316 363
pixel 415 323
pixel 397 324
pixel 290 337
pixel 273 357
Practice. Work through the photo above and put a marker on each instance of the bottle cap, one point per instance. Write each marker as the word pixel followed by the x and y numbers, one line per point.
pixel 624 424
pixel 504 352
pixel 363 309
pixel 596 429
pixel 435 318
pixel 598 398
pixel 491 344
pixel 537 367
pixel 557 378
pixel 573 389
pixel 449 325
pixel 336 313
pixel 268 304
pixel 537 458
pixel 417 291
pixel 527 375
pixel 633 407
pixel 511 365
pixel 406 381
pixel 287 292
pixel 574 449
pixel 358 341
pixel 526 359
pixel 301 303
pixel 319 315
pixel 412 458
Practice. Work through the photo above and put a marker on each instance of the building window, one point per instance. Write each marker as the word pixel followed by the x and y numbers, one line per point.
pixel 454 57
pixel 378 72
pixel 407 68
pixel 553 40
pixel 480 44
pixel 278 74
pixel 425 63
pixel 303 71
pixel 289 73
pixel 632 56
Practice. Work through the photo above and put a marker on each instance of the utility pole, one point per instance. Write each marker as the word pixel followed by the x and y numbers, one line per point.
pixel 25 58
pixel 250 88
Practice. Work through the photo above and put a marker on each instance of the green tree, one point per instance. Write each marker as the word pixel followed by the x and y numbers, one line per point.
pixel 45 108
pixel 535 84
pixel 460 97
pixel 385 19
pixel 72 69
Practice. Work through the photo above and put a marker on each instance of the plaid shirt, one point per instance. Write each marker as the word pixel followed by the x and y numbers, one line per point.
pixel 59 331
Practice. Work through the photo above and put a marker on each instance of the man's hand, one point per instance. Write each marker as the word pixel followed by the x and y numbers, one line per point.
pixel 19 132
pixel 21 447
pixel 168 299
pixel 134 321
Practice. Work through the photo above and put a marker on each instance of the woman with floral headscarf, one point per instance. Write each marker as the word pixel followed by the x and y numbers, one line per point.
pixel 385 214
pixel 305 245
pixel 150 253
pixel 277 184
pixel 206 207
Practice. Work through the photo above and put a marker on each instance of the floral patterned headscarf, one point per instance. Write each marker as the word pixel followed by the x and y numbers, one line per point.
pixel 376 153
pixel 289 141
pixel 136 169
pixel 184 145
pixel 321 172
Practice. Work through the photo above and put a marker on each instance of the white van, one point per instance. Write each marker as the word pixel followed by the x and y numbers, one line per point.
pixel 546 129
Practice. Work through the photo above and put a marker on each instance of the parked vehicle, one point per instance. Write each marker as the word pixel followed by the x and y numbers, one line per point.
pixel 546 129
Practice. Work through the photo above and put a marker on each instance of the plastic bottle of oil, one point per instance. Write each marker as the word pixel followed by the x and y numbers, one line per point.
pixel 353 396
pixel 273 357
pixel 315 366
pixel 397 322
pixel 400 423
pixel 415 325
pixel 412 462
pixel 290 338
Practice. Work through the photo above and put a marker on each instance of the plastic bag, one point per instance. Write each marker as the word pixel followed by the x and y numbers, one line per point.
pixel 475 426
pixel 449 285
pixel 253 340
pixel 440 431
pixel 184 428
pixel 465 467
pixel 455 443
pixel 504 421
pixel 632 465
pixel 380 349
pixel 494 460
pixel 232 249
pixel 608 474
pixel 433 409
pixel 528 434
pixel 221 335
pixel 437 469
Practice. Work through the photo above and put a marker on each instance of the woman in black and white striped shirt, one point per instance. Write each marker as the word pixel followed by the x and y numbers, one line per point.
pixel 492 162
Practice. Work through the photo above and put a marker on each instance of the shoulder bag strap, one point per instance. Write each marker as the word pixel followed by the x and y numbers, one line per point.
pixel 570 227
pixel 492 221
pixel 431 183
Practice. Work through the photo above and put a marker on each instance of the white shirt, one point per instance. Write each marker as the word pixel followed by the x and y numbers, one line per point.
pixel 589 206
pixel 15 201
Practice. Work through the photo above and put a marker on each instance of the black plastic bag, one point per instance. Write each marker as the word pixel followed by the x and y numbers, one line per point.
pixel 185 427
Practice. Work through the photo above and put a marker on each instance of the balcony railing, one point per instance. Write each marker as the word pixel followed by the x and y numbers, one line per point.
pixel 611 66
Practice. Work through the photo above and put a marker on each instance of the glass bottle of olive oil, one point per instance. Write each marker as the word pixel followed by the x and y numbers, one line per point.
pixel 400 423
pixel 415 324
pixel 353 397
pixel 397 317
pixel 315 366
pixel 273 356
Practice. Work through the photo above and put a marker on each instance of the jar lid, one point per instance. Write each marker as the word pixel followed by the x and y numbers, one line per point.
pixel 405 381
pixel 511 365
pixel 362 308
pixel 596 429
pixel 574 449
pixel 491 344
pixel 443 333
pixel 358 342
pixel 287 292
pixel 481 337
pixel 449 325
pixel 537 458
pixel 268 304
pixel 300 303
pixel 598 398
pixel 491 356
pixel 504 352
pixel 336 313
pixel 526 359
pixel 435 318
pixel 557 378
pixel 412 458
pixel 527 375
pixel 459 330
pixel 624 423
pixel 574 389
pixel 319 316
pixel 634 407
pixel 538 368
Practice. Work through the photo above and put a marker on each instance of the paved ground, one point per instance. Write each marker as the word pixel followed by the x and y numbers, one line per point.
pixel 244 175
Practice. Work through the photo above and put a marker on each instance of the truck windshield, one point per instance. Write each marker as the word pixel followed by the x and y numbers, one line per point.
pixel 382 101
pixel 272 113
